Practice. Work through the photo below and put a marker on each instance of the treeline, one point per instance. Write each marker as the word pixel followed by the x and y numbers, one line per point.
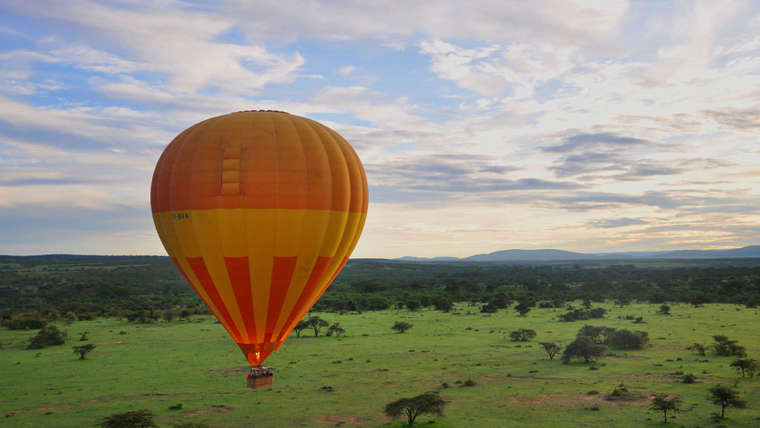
pixel 369 284
pixel 101 285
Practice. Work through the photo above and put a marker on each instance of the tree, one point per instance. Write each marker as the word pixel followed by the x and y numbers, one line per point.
pixel 442 304
pixel 316 323
pixel 664 310
pixel 335 329
pixel 582 347
pixel 412 304
pixel 598 334
pixel 522 335
pixel 489 308
pixel 626 339
pixel 725 347
pixel 302 325
pixel 401 326
pixel 665 403
pixel 47 336
pixel 428 402
pixel 698 348
pixel 746 366
pixel 168 315
pixel 551 349
pixel 135 419
pixel 83 350
pixel 523 307
pixel 724 397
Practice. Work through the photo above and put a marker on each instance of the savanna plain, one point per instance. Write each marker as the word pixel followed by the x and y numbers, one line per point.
pixel 189 371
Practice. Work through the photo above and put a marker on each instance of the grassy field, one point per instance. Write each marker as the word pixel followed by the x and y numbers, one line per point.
pixel 195 364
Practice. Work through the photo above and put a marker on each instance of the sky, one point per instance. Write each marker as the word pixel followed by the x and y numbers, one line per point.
pixel 590 126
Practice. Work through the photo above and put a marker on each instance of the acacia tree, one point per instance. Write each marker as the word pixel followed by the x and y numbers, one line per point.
pixel 698 348
pixel 316 323
pixel 582 347
pixel 336 330
pixel 725 347
pixel 83 350
pixel 523 307
pixel 302 325
pixel 724 397
pixel 401 326
pixel 665 403
pixel 428 402
pixel 746 366
pixel 551 349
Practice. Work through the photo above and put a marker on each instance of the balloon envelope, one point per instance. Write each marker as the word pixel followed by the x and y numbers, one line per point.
pixel 259 210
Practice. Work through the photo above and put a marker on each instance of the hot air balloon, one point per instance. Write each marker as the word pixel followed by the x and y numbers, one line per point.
pixel 259 210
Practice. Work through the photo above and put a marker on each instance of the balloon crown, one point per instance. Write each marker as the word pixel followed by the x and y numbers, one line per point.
pixel 268 111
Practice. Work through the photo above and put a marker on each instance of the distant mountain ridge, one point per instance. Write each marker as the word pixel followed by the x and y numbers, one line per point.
pixel 751 251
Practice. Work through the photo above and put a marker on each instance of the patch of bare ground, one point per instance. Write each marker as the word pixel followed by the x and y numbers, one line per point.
pixel 626 357
pixel 550 379
pixel 670 346
pixel 53 409
pixel 577 400
pixel 339 420
pixel 214 408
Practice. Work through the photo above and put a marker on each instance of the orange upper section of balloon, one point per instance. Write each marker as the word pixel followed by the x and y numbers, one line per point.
pixel 259 160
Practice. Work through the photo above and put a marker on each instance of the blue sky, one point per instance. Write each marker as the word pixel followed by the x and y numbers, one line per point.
pixel 483 125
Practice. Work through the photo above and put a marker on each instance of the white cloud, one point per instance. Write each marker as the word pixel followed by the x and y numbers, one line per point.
pixel 180 43
pixel 346 70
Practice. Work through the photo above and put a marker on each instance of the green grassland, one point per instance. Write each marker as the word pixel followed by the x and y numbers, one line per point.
pixel 155 366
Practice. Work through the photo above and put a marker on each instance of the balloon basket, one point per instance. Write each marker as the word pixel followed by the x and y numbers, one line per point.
pixel 260 377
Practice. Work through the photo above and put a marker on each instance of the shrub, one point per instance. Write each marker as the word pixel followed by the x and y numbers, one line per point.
pixel 48 336
pixel 401 326
pixel 626 339
pixel 583 314
pixel 135 419
pixel 336 330
pixel 688 378
pixel 25 322
pixel 522 335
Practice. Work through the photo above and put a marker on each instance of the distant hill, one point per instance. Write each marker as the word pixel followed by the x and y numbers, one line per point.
pixel 752 251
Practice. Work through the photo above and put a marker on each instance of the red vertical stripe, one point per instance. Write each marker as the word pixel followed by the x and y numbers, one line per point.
pixel 187 278
pixel 315 279
pixel 282 272
pixel 237 269
pixel 201 272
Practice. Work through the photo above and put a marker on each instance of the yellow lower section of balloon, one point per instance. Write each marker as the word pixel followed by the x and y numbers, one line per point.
pixel 260 235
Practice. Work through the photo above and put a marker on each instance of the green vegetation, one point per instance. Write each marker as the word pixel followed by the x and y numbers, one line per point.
pixel 725 396
pixel 665 403
pixel 428 402
pixel 145 289
pixel 83 350
pixel 49 335
pixel 134 419
pixel 155 366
